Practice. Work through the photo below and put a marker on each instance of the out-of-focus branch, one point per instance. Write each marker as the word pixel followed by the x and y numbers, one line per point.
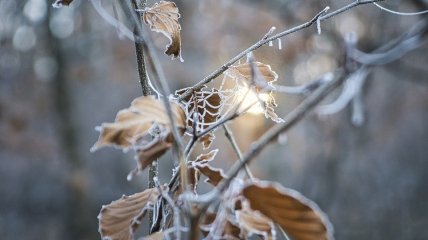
pixel 235 147
pixel 386 53
pixel 290 120
pixel 321 16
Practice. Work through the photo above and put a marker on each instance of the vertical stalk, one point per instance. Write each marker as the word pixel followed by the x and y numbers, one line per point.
pixel 143 78
pixel 139 51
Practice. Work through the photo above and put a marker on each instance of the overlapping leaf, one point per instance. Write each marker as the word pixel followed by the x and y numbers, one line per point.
pixel 163 17
pixel 230 231
pixel 206 104
pixel 193 173
pixel 244 72
pixel 298 216
pixel 207 140
pixel 260 76
pixel 214 175
pixel 144 126
pixel 154 236
pixel 119 219
pixel 61 3
pixel 252 222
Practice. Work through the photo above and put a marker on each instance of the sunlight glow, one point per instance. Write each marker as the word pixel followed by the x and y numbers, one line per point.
pixel 252 99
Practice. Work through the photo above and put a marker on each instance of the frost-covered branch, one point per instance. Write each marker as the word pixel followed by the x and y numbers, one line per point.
pixel 321 16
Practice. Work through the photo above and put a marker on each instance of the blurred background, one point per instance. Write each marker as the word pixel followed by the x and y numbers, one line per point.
pixel 65 71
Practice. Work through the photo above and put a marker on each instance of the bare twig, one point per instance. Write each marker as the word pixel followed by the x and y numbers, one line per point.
pixel 290 120
pixel 141 64
pixel 321 16
pixel 235 147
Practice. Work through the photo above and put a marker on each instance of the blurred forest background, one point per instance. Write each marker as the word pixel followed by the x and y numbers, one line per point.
pixel 65 71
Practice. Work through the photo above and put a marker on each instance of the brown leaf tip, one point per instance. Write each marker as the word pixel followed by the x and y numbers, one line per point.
pixel 163 17
pixel 61 3
pixel 300 217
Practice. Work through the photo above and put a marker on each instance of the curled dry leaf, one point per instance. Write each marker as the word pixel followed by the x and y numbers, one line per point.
pixel 230 231
pixel 154 236
pixel 208 106
pixel 61 3
pixel 207 140
pixel 206 157
pixel 270 103
pixel 243 72
pixel 119 219
pixel 252 222
pixel 298 216
pixel 144 126
pixel 260 76
pixel 163 17
pixel 214 175
pixel 193 173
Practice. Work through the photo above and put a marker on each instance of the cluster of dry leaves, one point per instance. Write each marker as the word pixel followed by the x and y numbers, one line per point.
pixel 247 207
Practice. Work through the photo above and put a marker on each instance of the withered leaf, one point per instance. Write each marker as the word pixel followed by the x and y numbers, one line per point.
pixel 61 3
pixel 206 157
pixel 243 72
pixel 119 219
pixel 144 126
pixel 207 140
pixel 214 175
pixel 156 147
pixel 193 173
pixel 270 111
pixel 260 76
pixel 230 231
pixel 298 216
pixel 252 222
pixel 134 122
pixel 163 17
pixel 154 236
pixel 208 104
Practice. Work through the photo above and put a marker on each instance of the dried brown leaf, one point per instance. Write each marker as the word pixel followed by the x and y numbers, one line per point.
pixel 230 231
pixel 143 126
pixel 270 111
pixel 298 216
pixel 61 3
pixel 134 122
pixel 243 72
pixel 163 17
pixel 154 236
pixel 208 104
pixel 260 76
pixel 193 173
pixel 214 175
pixel 119 219
pixel 207 140
pixel 206 157
pixel 252 222
pixel 157 146
pixel 193 177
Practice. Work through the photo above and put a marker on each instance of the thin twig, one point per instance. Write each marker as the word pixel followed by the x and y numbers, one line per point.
pixel 139 50
pixel 235 147
pixel 321 16
pixel 143 79
pixel 290 120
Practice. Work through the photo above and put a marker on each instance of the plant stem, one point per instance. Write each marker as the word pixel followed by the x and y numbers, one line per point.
pixel 235 147
pixel 142 74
